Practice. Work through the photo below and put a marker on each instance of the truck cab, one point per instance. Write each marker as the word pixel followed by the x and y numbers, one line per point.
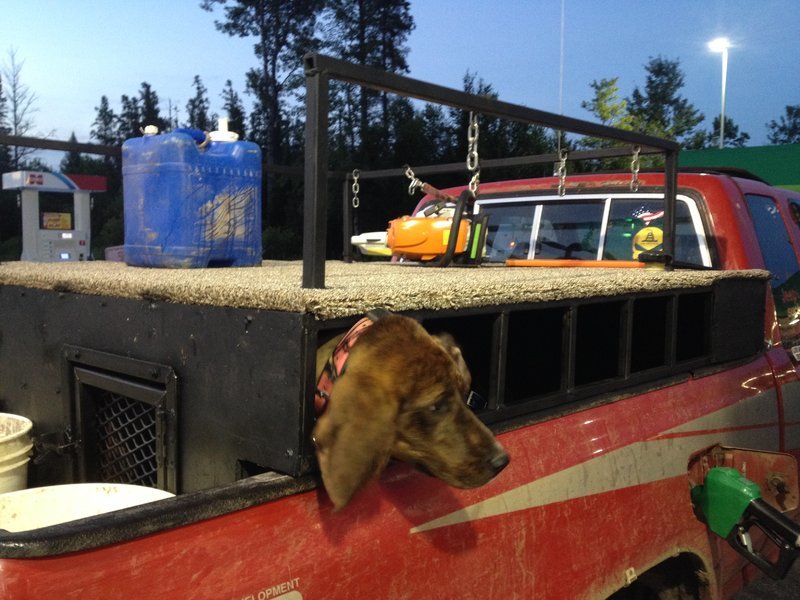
pixel 725 219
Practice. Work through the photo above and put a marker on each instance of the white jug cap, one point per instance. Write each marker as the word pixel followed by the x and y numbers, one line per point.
pixel 222 134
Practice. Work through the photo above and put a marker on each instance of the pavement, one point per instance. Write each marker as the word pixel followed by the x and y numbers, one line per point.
pixel 769 589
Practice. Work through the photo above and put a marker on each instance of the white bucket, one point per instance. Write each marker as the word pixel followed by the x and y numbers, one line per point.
pixel 15 447
pixel 14 471
pixel 44 506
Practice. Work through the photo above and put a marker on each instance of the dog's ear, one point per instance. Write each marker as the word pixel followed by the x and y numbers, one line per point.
pixel 446 341
pixel 354 437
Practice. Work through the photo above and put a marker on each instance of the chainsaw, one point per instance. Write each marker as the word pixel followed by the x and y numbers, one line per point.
pixel 444 232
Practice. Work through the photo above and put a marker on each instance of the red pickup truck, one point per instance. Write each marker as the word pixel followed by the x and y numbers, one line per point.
pixel 648 412
pixel 611 408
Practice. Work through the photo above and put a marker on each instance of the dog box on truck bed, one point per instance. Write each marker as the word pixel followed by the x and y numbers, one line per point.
pixel 241 349
pixel 241 355
pixel 230 361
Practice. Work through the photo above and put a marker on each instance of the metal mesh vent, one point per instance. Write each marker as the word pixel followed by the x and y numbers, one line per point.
pixel 126 440
pixel 125 414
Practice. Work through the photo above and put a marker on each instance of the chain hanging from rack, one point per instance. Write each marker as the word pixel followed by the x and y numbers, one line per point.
pixel 473 160
pixel 561 169
pixel 562 172
pixel 356 188
pixel 426 188
pixel 416 182
pixel 473 166
pixel 634 185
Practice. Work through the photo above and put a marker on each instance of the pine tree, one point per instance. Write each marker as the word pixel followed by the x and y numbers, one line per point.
pixel 283 32
pixel 104 128
pixel 72 161
pixel 129 121
pixel 437 131
pixel 5 151
pixel 197 107
pixel 234 110
pixel 150 111
pixel 660 109
pixel 733 137
pixel 787 129
pixel 371 33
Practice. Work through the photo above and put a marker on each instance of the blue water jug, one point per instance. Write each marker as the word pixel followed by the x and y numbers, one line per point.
pixel 192 200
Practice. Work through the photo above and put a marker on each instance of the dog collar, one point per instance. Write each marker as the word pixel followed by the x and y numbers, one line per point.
pixel 336 363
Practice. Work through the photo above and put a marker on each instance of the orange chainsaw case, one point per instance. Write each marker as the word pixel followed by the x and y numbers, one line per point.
pixel 424 238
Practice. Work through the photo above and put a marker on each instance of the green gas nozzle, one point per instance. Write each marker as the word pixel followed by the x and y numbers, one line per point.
pixel 731 505
pixel 724 498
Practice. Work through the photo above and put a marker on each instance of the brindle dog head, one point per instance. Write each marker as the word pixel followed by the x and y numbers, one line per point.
pixel 402 396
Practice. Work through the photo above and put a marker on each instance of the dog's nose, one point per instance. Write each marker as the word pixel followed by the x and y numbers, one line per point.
pixel 498 460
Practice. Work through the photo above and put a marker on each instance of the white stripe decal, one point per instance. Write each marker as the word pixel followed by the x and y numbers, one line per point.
pixel 756 410
pixel 635 464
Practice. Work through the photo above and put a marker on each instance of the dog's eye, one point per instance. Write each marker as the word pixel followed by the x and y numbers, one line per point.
pixel 439 407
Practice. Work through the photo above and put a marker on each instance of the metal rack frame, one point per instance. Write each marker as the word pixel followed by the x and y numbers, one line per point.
pixel 320 69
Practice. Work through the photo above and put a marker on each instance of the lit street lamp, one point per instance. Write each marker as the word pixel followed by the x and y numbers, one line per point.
pixel 722 44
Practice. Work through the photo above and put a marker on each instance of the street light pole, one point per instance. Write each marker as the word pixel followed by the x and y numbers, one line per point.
pixel 721 45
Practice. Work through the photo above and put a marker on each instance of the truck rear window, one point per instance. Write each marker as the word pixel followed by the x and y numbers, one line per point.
pixel 590 228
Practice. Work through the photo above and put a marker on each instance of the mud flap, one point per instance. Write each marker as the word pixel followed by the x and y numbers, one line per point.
pixel 732 505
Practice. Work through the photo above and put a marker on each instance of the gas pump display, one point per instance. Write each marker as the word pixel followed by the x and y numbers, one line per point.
pixel 56 213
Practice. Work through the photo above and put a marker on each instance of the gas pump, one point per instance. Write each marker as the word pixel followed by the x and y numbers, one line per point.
pixel 56 213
